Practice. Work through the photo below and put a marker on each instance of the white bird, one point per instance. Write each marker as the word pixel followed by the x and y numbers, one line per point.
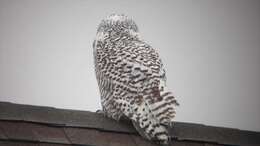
pixel 132 79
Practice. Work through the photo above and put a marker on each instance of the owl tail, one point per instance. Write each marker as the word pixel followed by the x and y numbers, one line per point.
pixel 154 115
pixel 153 132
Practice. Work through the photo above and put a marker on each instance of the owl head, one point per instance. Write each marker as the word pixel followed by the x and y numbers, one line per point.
pixel 117 24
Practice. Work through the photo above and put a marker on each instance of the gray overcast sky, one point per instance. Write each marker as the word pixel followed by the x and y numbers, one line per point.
pixel 211 50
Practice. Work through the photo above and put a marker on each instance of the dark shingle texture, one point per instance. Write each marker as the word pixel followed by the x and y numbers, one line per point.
pixel 26 125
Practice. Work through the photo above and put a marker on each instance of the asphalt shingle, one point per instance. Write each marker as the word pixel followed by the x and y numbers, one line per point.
pixel 47 126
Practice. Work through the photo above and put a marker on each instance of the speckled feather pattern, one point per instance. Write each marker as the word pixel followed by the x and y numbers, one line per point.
pixel 131 79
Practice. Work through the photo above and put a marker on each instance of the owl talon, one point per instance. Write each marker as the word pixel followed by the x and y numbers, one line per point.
pixel 100 112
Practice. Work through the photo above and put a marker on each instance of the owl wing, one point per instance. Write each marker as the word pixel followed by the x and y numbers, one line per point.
pixel 132 80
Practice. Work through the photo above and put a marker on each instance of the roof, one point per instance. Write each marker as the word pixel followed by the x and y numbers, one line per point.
pixel 27 125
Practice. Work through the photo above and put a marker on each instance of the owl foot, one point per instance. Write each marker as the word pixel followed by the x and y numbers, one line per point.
pixel 101 112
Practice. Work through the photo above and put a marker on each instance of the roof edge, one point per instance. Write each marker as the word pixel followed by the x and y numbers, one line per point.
pixel 85 119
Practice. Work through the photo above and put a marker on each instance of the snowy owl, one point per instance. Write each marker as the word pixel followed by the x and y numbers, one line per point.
pixel 131 79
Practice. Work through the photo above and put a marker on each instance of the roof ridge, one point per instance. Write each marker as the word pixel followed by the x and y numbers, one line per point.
pixel 77 119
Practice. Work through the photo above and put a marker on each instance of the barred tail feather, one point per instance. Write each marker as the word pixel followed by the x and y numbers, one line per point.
pixel 148 126
pixel 152 119
pixel 159 134
pixel 164 110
